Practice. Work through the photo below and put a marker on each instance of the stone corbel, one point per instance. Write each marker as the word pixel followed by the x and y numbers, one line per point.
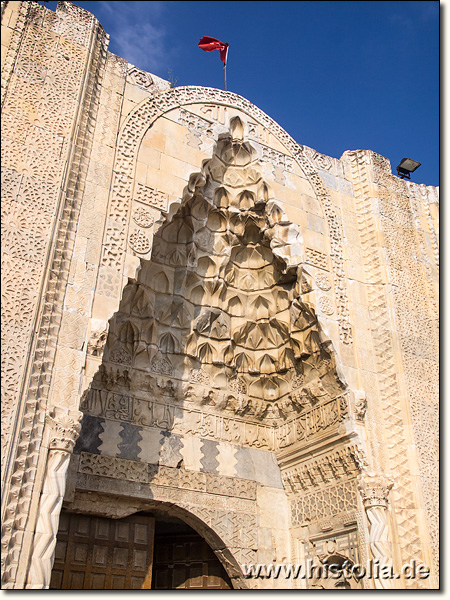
pixel 62 430
pixel 374 490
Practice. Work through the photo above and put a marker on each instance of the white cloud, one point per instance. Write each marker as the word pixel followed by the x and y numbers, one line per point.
pixel 138 33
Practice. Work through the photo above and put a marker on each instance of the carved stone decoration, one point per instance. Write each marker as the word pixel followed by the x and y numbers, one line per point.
pixel 326 306
pixel 97 342
pixel 394 199
pixel 360 406
pixel 63 428
pixel 57 159
pixel 323 282
pixel 222 298
pixel 374 490
pixel 139 242
pixel 322 161
pixel 140 78
pixel 143 217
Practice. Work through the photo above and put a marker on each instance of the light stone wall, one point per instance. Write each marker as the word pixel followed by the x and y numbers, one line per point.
pixel 97 158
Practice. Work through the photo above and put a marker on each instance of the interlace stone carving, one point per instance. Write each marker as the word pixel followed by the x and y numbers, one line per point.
pixel 323 282
pixel 324 503
pixel 143 217
pixel 325 305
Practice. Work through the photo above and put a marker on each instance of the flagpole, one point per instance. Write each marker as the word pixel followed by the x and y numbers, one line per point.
pixel 225 75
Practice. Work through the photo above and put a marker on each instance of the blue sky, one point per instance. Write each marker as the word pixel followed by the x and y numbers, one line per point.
pixel 335 75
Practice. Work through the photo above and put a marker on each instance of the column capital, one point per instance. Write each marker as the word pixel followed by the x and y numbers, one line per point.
pixel 374 489
pixel 64 428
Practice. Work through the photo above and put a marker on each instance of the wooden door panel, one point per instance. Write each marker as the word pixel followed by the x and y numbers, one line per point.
pixel 187 562
pixel 99 553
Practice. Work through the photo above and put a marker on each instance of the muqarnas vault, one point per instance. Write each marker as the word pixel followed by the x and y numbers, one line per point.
pixel 220 347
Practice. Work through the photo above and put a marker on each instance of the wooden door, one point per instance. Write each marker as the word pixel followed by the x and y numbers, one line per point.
pixel 95 553
pixel 187 562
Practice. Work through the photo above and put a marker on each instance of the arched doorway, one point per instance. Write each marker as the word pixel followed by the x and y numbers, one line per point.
pixel 184 560
pixel 142 551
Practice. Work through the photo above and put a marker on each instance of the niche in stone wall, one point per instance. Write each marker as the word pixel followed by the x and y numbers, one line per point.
pixel 216 319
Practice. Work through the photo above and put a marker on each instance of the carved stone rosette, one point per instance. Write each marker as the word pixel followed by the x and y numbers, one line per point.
pixel 374 490
pixel 63 428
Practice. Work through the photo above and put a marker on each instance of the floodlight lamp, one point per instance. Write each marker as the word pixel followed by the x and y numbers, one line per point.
pixel 406 167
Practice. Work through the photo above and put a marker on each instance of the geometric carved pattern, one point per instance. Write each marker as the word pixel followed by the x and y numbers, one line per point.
pixel 59 101
pixel 108 466
pixel 324 503
pixel 417 313
pixel 393 404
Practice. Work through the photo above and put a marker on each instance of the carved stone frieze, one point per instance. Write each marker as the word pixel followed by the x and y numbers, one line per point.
pixel 338 465
pixel 177 418
pixel 108 466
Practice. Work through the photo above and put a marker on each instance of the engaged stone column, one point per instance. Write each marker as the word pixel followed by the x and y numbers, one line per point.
pixel 374 491
pixel 63 430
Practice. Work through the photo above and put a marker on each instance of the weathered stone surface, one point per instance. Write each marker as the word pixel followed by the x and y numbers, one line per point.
pixel 249 326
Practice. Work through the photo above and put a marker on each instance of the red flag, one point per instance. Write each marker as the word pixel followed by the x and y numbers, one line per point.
pixel 208 44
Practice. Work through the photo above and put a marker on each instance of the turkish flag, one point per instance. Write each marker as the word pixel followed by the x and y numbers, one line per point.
pixel 208 44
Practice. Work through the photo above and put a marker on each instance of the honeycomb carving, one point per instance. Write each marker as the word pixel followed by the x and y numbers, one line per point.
pixel 220 305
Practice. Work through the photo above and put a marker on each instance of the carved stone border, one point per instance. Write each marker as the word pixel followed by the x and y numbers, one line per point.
pixel 390 410
pixel 14 44
pixel 36 388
